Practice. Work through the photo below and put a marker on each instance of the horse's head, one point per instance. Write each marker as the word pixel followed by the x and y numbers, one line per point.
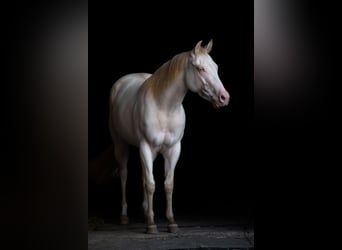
pixel 202 77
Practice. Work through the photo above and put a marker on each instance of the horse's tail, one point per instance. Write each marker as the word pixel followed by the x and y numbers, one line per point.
pixel 102 168
pixel 112 97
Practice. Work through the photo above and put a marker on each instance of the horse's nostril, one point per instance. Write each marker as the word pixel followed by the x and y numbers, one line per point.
pixel 223 98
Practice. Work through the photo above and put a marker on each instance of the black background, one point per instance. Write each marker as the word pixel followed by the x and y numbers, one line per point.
pixel 214 175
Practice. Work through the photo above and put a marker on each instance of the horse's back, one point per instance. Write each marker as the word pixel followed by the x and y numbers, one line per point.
pixel 127 85
pixel 123 95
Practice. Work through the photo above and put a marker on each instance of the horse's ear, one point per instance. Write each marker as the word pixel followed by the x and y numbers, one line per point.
pixel 209 46
pixel 198 47
pixel 195 51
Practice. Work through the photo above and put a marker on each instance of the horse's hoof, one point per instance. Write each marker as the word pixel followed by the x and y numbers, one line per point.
pixel 124 220
pixel 151 229
pixel 173 228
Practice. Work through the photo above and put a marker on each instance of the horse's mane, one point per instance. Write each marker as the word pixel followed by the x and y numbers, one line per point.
pixel 167 73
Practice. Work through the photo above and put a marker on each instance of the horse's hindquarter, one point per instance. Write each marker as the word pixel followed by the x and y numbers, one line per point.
pixel 124 96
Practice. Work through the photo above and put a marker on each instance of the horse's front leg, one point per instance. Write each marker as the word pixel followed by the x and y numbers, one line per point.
pixel 147 157
pixel 171 156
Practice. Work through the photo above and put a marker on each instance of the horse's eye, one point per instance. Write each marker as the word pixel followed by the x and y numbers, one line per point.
pixel 200 69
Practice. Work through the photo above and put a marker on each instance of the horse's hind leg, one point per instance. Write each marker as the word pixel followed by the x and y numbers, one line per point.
pixel 121 156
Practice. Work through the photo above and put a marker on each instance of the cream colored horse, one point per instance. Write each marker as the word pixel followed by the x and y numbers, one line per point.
pixel 146 111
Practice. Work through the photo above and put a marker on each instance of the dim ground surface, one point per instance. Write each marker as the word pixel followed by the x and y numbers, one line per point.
pixel 194 233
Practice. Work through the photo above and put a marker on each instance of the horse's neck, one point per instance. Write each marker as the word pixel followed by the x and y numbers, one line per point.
pixel 173 96
pixel 166 86
pixel 169 96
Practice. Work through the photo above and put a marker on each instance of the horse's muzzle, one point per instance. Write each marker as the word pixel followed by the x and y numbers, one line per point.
pixel 223 99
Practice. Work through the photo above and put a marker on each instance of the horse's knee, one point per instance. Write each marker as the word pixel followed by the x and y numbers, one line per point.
pixel 150 187
pixel 168 187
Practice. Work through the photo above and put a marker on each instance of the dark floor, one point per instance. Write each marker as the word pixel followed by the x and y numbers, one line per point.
pixel 207 218
pixel 194 233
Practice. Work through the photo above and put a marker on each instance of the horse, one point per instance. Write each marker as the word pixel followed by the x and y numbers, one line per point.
pixel 146 111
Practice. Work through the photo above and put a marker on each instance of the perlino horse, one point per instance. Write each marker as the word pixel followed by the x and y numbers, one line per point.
pixel 146 111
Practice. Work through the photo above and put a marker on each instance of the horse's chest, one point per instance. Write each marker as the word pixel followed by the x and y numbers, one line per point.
pixel 165 132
